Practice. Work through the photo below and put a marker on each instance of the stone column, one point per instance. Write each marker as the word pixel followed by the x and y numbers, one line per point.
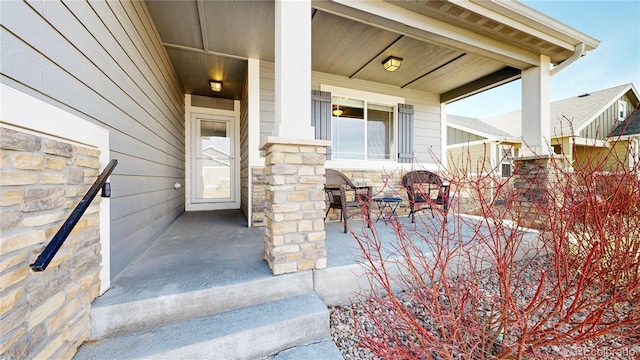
pixel 534 179
pixel 295 202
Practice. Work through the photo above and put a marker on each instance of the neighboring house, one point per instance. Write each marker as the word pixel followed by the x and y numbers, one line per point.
pixel 581 127
pixel 145 82
pixel 626 137
pixel 475 148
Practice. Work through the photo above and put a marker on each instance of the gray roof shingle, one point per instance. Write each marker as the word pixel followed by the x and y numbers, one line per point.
pixel 566 115
pixel 477 125
pixel 630 126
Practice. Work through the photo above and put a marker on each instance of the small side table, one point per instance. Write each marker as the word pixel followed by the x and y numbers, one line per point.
pixel 387 206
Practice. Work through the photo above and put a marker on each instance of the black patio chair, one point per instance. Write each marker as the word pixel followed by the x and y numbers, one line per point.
pixel 425 190
pixel 344 195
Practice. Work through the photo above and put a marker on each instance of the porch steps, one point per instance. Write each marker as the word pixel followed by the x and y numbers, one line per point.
pixel 295 326
pixel 116 313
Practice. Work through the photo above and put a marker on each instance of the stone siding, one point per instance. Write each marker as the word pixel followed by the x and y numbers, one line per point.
pixel 45 315
pixel 294 177
pixel 258 199
pixel 534 179
pixel 383 183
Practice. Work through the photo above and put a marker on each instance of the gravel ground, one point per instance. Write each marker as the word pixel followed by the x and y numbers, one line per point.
pixel 343 327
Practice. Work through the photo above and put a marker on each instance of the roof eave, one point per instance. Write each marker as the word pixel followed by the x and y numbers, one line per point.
pixel 536 21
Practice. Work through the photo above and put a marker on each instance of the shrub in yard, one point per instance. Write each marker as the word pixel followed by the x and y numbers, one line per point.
pixel 484 287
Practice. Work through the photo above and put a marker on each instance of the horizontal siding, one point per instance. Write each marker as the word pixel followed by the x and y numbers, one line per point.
pixel 105 62
pixel 588 158
pixel 427 125
pixel 267 100
pixel 457 136
pixel 469 159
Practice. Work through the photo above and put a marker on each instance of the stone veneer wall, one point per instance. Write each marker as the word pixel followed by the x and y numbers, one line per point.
pixel 45 315
pixel 294 177
pixel 383 182
pixel 534 177
pixel 258 199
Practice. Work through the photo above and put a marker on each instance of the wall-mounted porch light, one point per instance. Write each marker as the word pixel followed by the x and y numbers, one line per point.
pixel 392 63
pixel 215 85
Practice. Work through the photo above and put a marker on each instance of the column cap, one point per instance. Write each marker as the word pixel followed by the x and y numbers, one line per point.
pixel 273 140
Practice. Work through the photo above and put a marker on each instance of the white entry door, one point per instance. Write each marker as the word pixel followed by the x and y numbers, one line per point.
pixel 213 163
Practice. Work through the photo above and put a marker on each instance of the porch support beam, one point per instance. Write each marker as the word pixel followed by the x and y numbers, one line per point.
pixel 293 69
pixel 295 201
pixel 536 109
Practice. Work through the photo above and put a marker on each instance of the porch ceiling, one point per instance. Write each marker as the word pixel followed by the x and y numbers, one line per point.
pixel 213 39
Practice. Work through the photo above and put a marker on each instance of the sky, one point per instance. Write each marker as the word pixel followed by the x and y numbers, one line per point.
pixel 616 61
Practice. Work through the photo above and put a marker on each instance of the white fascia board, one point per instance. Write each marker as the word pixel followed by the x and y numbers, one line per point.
pixel 402 21
pixel 525 18
pixel 606 106
pixel 472 143
pixel 590 142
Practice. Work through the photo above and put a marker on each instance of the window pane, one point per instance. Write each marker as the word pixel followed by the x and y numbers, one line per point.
pixel 379 132
pixel 347 129
pixel 213 128
pixel 347 138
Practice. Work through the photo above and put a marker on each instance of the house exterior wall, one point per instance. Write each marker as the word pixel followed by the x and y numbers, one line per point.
pixel 470 159
pixel 602 126
pixel 602 159
pixel 104 62
pixel 457 136
pixel 267 100
pixel 45 315
pixel 427 124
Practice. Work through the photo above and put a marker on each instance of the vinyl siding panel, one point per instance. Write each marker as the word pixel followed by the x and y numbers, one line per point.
pixel 426 106
pixel 457 136
pixel 472 159
pixel 607 121
pixel 267 100
pixel 427 124
pixel 104 62
pixel 588 158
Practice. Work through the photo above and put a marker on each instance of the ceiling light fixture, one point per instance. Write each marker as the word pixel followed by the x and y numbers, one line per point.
pixel 392 63
pixel 337 111
pixel 215 85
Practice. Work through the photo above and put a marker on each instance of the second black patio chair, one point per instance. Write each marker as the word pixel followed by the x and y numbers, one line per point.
pixel 344 195
pixel 425 190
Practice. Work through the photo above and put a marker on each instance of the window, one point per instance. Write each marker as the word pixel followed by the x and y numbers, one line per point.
pixel 622 110
pixel 506 170
pixel 506 156
pixel 362 130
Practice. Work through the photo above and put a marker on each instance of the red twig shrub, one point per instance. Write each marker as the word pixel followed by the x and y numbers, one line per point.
pixel 483 287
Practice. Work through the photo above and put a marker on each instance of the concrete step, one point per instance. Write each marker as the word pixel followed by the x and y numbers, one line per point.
pixel 323 350
pixel 116 313
pixel 249 333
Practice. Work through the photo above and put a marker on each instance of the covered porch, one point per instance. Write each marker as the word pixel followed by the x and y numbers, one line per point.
pixel 203 284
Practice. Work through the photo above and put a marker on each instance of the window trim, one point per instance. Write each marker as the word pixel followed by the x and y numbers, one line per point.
pixel 368 97
pixel 622 110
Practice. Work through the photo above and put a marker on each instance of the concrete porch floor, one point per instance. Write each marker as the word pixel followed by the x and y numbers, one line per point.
pixel 205 276
pixel 207 249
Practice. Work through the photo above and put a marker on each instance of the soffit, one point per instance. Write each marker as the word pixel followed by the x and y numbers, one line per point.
pixel 212 40
pixel 451 13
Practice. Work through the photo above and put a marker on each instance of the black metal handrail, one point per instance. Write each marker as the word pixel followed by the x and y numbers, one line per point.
pixel 52 248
